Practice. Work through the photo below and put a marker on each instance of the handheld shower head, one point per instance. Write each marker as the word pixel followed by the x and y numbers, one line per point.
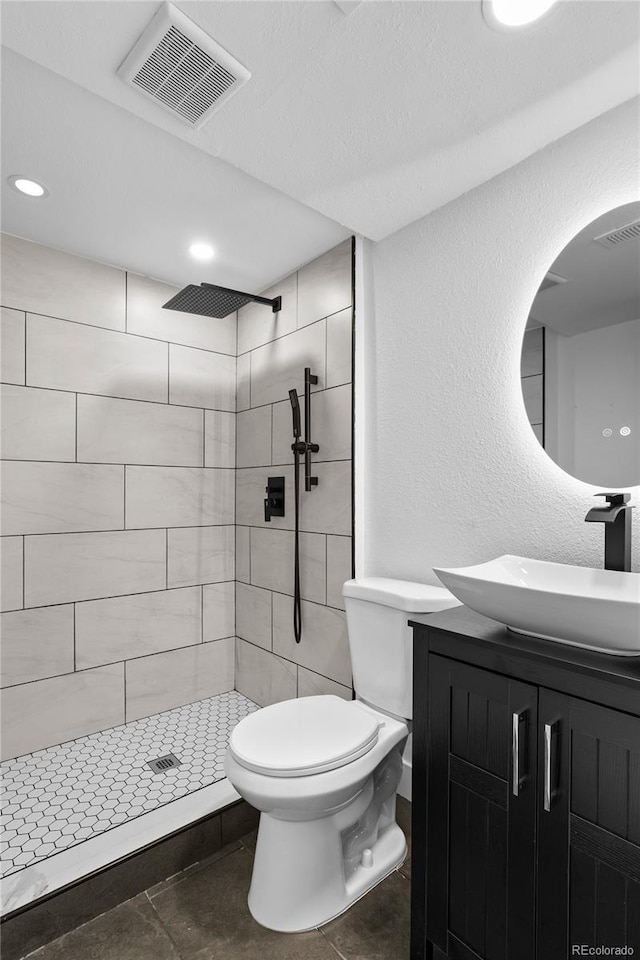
pixel 295 409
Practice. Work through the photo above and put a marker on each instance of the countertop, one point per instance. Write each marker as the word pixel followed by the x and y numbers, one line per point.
pixel 462 634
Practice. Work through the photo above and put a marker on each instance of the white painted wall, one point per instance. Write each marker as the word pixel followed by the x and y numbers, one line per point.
pixel 452 473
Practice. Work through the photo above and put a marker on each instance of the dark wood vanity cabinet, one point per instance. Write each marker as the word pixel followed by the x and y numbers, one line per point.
pixel 526 795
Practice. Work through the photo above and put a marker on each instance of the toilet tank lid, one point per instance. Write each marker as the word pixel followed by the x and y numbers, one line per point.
pixel 401 594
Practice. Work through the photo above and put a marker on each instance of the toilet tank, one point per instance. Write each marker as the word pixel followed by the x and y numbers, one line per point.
pixel 380 640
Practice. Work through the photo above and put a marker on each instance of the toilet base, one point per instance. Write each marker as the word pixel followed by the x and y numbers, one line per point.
pixel 291 899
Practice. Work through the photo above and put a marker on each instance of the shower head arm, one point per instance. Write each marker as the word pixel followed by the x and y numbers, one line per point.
pixel 275 304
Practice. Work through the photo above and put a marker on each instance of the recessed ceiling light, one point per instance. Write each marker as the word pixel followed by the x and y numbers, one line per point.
pixel 29 187
pixel 201 251
pixel 504 14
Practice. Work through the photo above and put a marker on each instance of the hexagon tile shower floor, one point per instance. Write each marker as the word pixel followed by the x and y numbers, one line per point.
pixel 61 796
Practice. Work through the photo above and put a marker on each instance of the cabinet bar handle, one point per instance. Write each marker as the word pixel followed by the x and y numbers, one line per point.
pixel 547 767
pixel 516 720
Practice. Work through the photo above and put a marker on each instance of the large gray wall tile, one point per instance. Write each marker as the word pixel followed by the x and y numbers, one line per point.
pixel 282 431
pixel 253 614
pixel 178 496
pixel 36 644
pixel 279 366
pixel 219 439
pixel 254 437
pixel 250 486
pixel 37 424
pixel 40 279
pixel 331 423
pixel 272 562
pixel 256 322
pixel 71 356
pixel 324 509
pixel 60 497
pixel 339 569
pixel 146 316
pixel 243 382
pixel 11 573
pixel 86 566
pixel 132 431
pixel 327 507
pixel 200 555
pixel 262 677
pixel 339 347
pixel 198 378
pixel 325 284
pixel 125 627
pixel 40 714
pixel 172 679
pixel 324 647
pixel 312 684
pixel 218 610
pixel 12 346
pixel 243 554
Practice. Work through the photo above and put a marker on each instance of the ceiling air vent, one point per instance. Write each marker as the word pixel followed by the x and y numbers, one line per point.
pixel 181 68
pixel 551 280
pixel 630 231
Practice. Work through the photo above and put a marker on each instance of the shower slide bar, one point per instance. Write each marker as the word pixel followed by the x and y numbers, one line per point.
pixel 299 447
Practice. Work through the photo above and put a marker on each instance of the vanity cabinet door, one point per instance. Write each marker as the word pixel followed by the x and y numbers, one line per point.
pixel 481 801
pixel 588 827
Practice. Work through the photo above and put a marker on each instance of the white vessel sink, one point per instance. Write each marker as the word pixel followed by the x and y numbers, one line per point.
pixel 595 609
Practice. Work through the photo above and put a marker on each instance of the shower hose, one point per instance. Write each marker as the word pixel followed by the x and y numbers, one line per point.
pixel 297 609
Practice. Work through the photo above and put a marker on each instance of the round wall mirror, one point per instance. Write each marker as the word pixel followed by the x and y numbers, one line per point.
pixel 580 364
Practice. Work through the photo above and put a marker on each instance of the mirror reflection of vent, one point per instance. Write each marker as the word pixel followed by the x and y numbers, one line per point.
pixel 610 239
pixel 551 280
pixel 181 68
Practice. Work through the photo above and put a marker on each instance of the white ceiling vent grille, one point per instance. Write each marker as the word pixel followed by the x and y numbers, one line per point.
pixel 182 68
pixel 630 231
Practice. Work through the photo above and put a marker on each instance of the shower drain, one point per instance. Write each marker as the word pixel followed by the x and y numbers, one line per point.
pixel 162 764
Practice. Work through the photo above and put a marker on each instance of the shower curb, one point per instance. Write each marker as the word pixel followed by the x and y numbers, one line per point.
pixel 37 924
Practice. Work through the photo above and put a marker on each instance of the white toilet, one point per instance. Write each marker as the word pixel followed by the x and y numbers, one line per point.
pixel 324 771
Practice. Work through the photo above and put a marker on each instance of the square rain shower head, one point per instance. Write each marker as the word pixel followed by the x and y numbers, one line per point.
pixel 209 300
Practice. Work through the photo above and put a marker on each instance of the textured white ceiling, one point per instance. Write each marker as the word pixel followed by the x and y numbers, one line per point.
pixel 127 193
pixel 372 119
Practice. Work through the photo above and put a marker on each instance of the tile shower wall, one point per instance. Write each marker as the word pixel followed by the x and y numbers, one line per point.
pixel 314 328
pixel 117 537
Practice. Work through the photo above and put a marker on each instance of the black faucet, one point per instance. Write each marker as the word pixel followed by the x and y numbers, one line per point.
pixel 617 532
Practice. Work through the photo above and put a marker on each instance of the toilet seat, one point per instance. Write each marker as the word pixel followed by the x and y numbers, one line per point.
pixel 298 738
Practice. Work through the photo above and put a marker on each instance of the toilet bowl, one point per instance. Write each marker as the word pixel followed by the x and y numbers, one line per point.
pixel 327 830
pixel 324 772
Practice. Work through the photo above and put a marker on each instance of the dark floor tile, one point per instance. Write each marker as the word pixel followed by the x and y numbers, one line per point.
pixel 78 904
pixel 376 927
pixel 208 918
pixel 130 931
pixel 403 817
pixel 249 841
pixel 273 946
